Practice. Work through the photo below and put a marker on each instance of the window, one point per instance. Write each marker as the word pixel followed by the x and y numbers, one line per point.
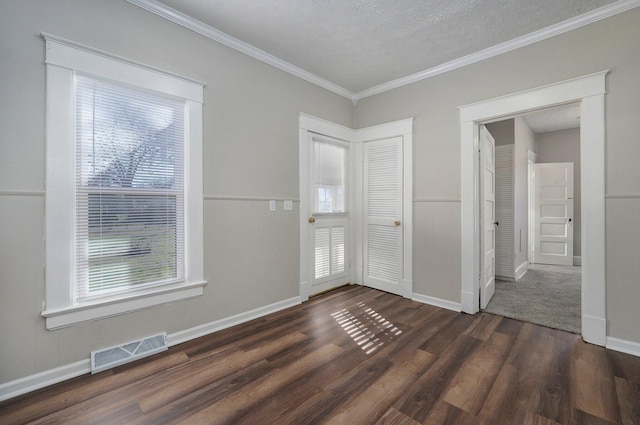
pixel 124 191
pixel 129 189
pixel 329 159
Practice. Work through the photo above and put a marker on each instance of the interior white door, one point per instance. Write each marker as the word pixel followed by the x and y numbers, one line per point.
pixel 383 214
pixel 554 214
pixel 487 216
pixel 329 220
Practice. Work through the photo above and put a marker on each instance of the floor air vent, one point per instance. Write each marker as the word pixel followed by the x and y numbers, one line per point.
pixel 125 353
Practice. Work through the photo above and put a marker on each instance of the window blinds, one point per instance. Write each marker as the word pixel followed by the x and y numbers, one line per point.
pixel 129 189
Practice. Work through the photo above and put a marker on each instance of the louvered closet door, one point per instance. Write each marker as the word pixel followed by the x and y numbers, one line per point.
pixel 383 256
pixel 505 252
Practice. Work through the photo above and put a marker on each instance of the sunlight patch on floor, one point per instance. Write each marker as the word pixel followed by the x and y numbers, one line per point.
pixel 366 327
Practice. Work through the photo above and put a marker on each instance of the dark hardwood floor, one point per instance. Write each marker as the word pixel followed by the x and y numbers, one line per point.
pixel 356 356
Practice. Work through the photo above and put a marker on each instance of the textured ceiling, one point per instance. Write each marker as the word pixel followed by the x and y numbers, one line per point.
pixel 554 119
pixel 360 44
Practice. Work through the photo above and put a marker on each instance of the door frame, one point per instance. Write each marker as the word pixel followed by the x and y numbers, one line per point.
pixel 404 128
pixel 590 91
pixel 308 126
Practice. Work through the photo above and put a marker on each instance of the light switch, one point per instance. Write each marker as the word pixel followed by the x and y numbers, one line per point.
pixel 272 205
pixel 288 205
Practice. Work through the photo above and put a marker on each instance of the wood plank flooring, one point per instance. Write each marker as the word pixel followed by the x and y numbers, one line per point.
pixel 356 356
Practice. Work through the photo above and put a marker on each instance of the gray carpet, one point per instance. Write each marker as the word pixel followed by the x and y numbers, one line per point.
pixel 546 295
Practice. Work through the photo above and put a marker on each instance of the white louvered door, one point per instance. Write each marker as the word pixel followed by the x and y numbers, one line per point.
pixel 505 252
pixel 383 214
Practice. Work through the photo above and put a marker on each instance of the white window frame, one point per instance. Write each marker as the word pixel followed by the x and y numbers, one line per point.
pixel 63 59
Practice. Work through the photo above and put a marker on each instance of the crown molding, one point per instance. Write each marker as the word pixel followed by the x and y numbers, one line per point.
pixel 201 28
pixel 208 31
pixel 525 40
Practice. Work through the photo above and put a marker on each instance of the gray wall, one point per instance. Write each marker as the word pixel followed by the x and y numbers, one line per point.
pixel 502 131
pixel 564 146
pixel 250 150
pixel 614 44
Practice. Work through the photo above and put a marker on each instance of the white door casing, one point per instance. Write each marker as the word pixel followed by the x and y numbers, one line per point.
pixel 487 216
pixel 308 126
pixel 590 91
pixel 554 214
pixel 383 215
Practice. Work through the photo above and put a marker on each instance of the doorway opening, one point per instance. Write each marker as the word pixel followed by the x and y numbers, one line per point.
pixel 589 91
pixel 537 240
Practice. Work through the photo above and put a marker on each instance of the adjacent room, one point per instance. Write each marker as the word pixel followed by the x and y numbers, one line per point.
pixel 293 212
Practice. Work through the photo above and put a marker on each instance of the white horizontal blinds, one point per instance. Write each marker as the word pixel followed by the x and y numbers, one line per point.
pixel 337 250
pixel 129 189
pixel 322 248
pixel 329 248
pixel 329 163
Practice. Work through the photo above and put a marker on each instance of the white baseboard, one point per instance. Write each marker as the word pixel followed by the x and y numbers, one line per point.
pixel 594 330
pixel 43 379
pixel 469 302
pixel 218 325
pixel 577 261
pixel 624 346
pixel 437 302
pixel 407 288
pixel 521 270
pixel 53 376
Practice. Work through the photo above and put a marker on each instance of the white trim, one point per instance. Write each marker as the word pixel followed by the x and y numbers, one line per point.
pixel 522 269
pixel 53 376
pixel 218 325
pixel 232 42
pixel 63 59
pixel 567 91
pixel 627 196
pixel 590 91
pixel 66 316
pixel 43 379
pixel 22 193
pixel 594 329
pixel 623 346
pixel 79 57
pixel 525 40
pixel 437 302
pixel 577 260
pixel 384 131
pixel 324 127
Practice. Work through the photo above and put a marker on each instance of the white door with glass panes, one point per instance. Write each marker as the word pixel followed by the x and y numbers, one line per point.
pixel 329 218
pixel 383 214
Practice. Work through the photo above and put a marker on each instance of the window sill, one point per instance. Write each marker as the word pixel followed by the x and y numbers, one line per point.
pixel 67 316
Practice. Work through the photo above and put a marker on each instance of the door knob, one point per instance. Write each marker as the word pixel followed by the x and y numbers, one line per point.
pixel 397 222
pixel 312 220
pixel 496 223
